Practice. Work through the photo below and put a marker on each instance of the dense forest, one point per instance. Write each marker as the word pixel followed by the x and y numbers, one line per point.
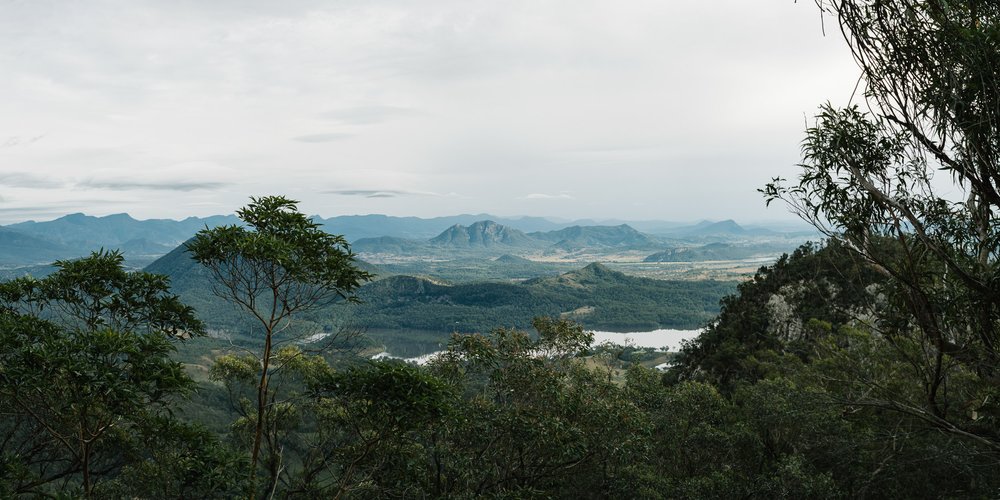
pixel 594 296
pixel 861 366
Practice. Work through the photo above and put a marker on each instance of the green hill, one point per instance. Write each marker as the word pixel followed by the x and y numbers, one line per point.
pixel 596 296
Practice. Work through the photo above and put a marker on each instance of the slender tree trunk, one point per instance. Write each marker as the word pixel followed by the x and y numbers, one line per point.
pixel 261 409
pixel 87 480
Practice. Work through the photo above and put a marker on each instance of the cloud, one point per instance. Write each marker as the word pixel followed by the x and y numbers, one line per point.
pixel 450 96
pixel 23 180
pixel 368 115
pixel 377 193
pixel 314 138
pixel 15 140
pixel 164 186
pixel 543 196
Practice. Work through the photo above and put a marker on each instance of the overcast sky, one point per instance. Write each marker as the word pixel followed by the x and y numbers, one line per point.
pixel 631 109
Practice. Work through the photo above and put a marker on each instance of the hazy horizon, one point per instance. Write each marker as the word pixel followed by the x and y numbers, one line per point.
pixel 785 223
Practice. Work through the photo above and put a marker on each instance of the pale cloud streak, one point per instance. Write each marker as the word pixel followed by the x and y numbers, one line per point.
pixel 543 196
pixel 157 186
pixel 378 193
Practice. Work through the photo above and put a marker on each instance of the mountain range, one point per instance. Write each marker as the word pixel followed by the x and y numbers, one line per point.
pixel 74 235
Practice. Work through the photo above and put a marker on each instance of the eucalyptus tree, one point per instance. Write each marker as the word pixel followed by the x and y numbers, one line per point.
pixel 277 265
pixel 929 104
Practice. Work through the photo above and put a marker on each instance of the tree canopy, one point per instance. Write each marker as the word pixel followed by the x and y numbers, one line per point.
pixel 930 83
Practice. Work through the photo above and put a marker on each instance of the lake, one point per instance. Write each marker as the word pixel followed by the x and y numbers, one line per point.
pixel 666 339
pixel 669 340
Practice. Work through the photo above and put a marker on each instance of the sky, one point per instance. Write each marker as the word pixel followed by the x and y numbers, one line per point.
pixel 634 110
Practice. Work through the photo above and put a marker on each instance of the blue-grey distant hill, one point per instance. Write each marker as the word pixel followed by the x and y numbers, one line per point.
pixel 461 236
pixel 356 227
pixel 580 237
pixel 390 245
pixel 491 237
pixel 717 251
pixel 478 237
pixel 727 229
pixel 119 231
pixel 484 233
pixel 21 249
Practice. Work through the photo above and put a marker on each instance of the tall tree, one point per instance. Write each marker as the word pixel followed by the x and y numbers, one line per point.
pixel 279 264
pixel 930 76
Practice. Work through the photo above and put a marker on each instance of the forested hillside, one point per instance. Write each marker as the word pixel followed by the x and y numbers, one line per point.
pixel 594 296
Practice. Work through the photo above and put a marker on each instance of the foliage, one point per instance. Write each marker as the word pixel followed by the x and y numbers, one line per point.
pixel 87 386
pixel 500 415
pixel 96 292
pixel 178 460
pixel 782 309
pixel 375 424
pixel 533 418
pixel 929 70
pixel 796 346
pixel 78 405
pixel 280 264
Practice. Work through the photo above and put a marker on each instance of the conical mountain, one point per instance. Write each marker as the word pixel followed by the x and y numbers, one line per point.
pixel 592 275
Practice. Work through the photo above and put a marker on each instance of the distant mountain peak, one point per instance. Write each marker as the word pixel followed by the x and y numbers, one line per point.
pixel 484 233
pixel 577 237
pixel 595 274
pixel 727 226
pixel 597 269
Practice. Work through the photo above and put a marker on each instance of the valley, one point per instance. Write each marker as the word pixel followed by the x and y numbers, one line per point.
pixel 469 273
